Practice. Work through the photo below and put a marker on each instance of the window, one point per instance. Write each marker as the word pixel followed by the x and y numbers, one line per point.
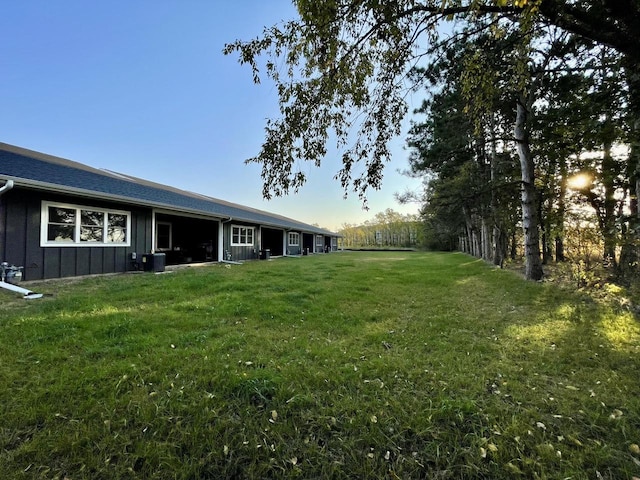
pixel 242 236
pixel 73 225
pixel 163 236
pixel 319 241
pixel 294 239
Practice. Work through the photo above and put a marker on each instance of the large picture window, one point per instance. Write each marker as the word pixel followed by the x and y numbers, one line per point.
pixel 294 239
pixel 241 236
pixel 75 225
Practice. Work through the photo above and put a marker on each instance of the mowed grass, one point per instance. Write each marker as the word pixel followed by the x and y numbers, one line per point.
pixel 347 365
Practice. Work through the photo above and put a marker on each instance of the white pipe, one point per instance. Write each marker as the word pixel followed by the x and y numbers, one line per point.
pixel 27 294
pixel 6 187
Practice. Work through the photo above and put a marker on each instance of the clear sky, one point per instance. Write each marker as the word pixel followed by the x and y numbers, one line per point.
pixel 142 87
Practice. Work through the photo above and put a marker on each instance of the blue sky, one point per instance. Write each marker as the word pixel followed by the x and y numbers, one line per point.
pixel 142 87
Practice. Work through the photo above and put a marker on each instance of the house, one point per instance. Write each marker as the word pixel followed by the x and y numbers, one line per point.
pixel 60 218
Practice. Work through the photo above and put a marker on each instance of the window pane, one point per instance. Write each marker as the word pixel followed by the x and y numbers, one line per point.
pixel 117 235
pixel 62 215
pixel 117 220
pixel 91 234
pixel 91 219
pixel 60 233
pixel 242 235
pixel 116 228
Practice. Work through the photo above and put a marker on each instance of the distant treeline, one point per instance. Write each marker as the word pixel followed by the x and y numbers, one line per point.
pixel 386 229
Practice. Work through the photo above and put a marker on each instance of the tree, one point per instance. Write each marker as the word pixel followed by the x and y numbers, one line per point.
pixel 386 229
pixel 468 186
pixel 342 67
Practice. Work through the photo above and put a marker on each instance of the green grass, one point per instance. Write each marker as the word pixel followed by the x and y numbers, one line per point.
pixel 351 365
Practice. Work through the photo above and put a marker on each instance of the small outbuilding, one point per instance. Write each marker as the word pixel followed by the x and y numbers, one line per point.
pixel 60 218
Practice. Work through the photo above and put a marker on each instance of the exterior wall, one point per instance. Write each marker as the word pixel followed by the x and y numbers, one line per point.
pixel 294 249
pixel 238 253
pixel 20 212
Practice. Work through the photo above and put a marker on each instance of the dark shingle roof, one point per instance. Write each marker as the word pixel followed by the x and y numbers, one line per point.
pixel 34 169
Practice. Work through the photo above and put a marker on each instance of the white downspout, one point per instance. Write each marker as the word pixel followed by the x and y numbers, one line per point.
pixel 6 187
pixel 259 240
pixel 221 223
pixel 153 231
pixel 27 294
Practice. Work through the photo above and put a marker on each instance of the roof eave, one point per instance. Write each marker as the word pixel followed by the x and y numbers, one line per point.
pixel 58 188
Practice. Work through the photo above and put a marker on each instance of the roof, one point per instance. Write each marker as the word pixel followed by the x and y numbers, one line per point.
pixel 28 168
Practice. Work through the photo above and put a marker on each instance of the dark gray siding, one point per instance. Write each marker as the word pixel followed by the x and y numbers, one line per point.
pixel 294 250
pixel 3 229
pixel 20 237
pixel 243 252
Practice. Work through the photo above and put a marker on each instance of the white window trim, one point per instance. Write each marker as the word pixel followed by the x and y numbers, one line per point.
pixel 297 243
pixel 170 237
pixel 77 243
pixel 246 244
pixel 320 241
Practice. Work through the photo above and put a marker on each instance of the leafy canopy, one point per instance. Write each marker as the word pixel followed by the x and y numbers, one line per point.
pixel 341 73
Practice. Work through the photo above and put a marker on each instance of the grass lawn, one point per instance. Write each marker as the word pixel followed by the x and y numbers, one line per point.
pixel 349 365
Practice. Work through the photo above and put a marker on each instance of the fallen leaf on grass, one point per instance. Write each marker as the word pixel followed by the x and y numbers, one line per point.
pixel 575 441
pixel 514 469
pixel 615 414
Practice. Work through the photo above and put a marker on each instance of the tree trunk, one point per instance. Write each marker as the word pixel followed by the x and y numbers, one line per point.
pixel 559 240
pixel 487 244
pixel 629 255
pixel 530 221
pixel 609 221
pixel 497 244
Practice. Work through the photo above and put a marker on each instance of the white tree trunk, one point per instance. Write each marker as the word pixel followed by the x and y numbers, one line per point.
pixel 530 220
